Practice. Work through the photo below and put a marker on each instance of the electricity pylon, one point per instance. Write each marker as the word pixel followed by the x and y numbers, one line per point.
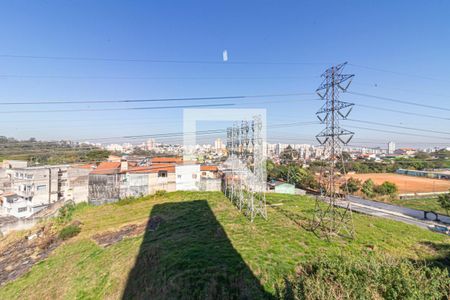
pixel 245 175
pixel 333 215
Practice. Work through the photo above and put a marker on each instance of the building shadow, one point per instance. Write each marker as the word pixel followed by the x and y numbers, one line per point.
pixel 186 254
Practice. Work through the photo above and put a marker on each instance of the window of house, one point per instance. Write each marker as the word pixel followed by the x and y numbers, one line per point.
pixel 194 176
pixel 22 209
pixel 29 176
pixel 203 173
pixel 42 187
pixel 162 173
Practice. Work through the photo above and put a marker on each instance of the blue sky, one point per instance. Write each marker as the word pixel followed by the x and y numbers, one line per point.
pixel 410 37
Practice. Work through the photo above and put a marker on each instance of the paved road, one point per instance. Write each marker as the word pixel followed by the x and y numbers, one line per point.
pixel 389 208
pixel 377 212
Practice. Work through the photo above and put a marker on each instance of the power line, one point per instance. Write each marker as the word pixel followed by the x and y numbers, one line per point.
pixel 155 99
pixel 403 112
pixel 116 109
pixel 400 101
pixel 145 60
pixel 397 73
pixel 196 132
pixel 402 133
pixel 397 126
pixel 151 77
pixel 380 86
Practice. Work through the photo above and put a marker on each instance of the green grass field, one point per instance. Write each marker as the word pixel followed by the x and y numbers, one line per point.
pixel 203 244
pixel 421 204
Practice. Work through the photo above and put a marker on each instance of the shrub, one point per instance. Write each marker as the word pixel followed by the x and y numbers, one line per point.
pixel 160 193
pixel 444 202
pixel 352 185
pixel 367 188
pixel 367 277
pixel 65 213
pixel 386 188
pixel 69 231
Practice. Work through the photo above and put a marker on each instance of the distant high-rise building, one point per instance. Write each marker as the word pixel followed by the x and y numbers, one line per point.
pixel 391 148
pixel 150 144
pixel 218 144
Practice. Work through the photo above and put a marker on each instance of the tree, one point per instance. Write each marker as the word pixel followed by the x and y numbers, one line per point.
pixel 386 188
pixel 367 188
pixel 346 156
pixel 444 202
pixel 352 185
pixel 97 155
pixel 274 171
pixel 422 155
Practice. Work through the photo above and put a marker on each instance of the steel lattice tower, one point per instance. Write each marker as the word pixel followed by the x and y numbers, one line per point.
pixel 333 214
pixel 245 180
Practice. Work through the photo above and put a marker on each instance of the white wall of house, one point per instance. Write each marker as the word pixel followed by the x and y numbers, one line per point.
pixel 40 185
pixel 135 185
pixel 161 181
pixel 16 206
pixel 78 186
pixel 187 177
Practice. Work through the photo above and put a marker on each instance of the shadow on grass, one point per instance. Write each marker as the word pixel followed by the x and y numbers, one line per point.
pixel 186 254
pixel 442 257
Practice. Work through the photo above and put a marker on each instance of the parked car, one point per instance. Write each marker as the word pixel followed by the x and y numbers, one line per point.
pixel 440 228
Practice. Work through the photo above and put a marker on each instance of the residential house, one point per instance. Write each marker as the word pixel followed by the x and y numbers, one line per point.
pixel 37 187
pixel 14 205
pixel 104 183
pixel 187 177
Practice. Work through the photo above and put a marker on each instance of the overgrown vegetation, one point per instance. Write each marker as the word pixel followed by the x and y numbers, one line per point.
pixel 69 231
pixel 366 277
pixel 444 202
pixel 386 189
pixel 352 185
pixel 42 152
pixel 292 173
pixel 65 213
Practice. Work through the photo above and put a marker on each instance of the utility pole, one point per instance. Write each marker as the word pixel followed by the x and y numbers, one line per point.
pixel 333 215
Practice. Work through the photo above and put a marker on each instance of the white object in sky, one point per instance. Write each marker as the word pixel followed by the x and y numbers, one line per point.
pixel 225 55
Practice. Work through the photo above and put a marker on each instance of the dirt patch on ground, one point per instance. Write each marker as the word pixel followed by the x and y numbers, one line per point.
pixel 407 184
pixel 4 220
pixel 111 237
pixel 17 257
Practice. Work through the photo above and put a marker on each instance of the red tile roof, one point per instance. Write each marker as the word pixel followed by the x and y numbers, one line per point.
pixel 209 168
pixel 167 160
pixel 170 168
pixel 107 167
pixel 88 166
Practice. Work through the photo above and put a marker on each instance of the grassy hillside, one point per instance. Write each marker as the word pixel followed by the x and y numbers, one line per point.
pixel 198 245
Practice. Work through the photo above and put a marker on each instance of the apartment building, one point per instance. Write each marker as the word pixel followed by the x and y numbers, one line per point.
pixel 26 190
